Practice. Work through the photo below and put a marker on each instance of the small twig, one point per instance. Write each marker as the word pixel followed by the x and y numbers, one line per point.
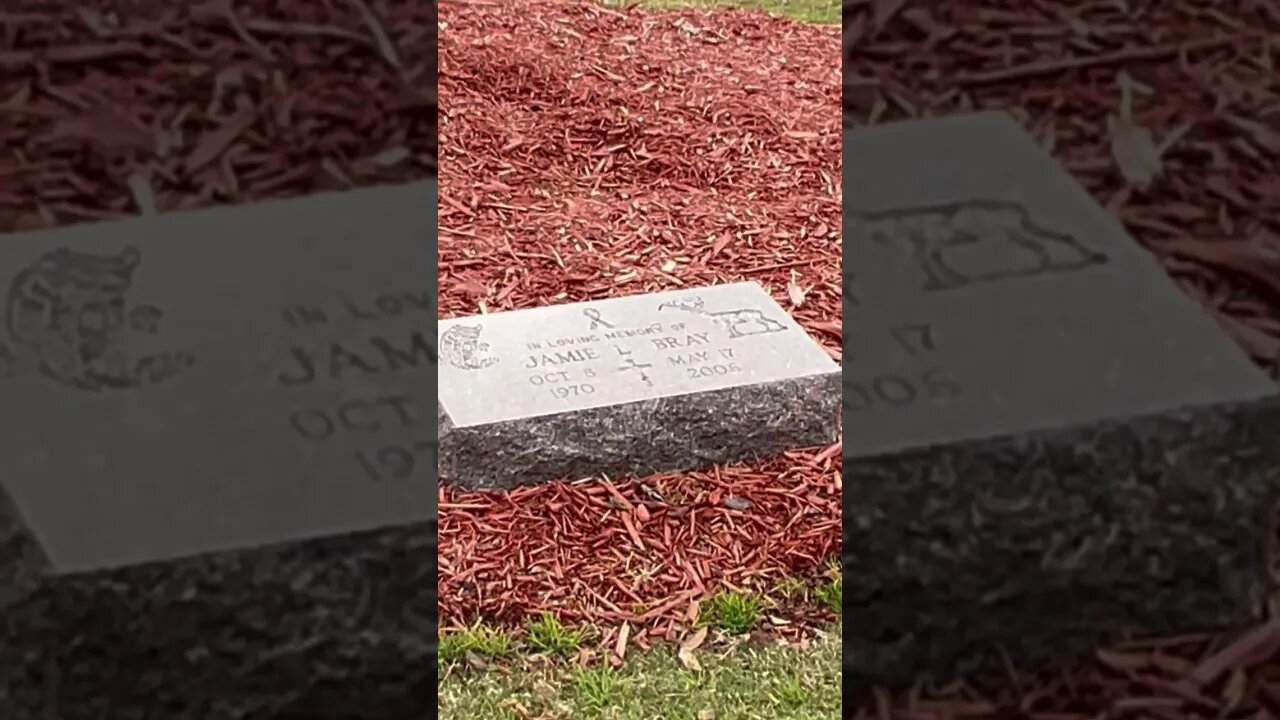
pixel 70 54
pixel 1146 54
pixel 224 10
pixel 385 46
pixel 779 266
pixel 212 145
pixel 271 27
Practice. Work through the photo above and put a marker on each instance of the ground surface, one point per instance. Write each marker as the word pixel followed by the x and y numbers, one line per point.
pixel 119 107
pixel 823 12
pixel 1166 112
pixel 731 684
pixel 692 148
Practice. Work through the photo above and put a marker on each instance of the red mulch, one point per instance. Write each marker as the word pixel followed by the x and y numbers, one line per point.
pixel 590 153
pixel 546 201
pixel 110 108
pixel 1196 75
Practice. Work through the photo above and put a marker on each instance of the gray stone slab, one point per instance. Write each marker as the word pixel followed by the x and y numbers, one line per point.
pixel 641 384
pixel 219 475
pixel 1047 443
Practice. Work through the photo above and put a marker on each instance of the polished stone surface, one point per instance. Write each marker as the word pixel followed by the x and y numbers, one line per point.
pixel 206 381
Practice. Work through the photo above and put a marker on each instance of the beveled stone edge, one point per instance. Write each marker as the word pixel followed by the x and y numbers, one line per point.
pixel 1259 404
pixel 445 420
pixel 26 569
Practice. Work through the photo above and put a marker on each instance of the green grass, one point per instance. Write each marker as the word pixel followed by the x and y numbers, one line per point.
pixel 483 642
pixel 791 589
pixel 532 675
pixel 745 683
pixel 547 635
pixel 831 594
pixel 733 613
pixel 821 12
pixel 599 688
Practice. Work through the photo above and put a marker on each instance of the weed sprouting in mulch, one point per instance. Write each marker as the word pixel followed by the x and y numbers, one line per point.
pixel 732 612
pixel 548 635
pixel 477 642
pixel 831 595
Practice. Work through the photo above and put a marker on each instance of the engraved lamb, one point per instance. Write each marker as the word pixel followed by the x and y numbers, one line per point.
pixel 739 323
pixel 976 241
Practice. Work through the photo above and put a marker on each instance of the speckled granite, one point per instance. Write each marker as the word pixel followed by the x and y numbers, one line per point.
pixel 671 434
pixel 1048 543
pixel 343 628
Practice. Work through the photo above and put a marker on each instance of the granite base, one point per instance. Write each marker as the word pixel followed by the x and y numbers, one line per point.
pixel 1038 548
pixel 340 628
pixel 671 434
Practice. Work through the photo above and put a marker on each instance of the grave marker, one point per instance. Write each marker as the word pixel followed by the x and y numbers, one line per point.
pixel 642 384
pixel 1047 443
pixel 210 414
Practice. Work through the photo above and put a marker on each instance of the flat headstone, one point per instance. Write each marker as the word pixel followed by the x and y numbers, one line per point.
pixel 1047 444
pixel 636 385
pixel 218 448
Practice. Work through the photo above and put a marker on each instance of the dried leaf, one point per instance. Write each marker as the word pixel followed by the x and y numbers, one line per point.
pixel 108 127
pixel 1233 693
pixel 1266 138
pixel 1126 662
pixel 143 196
pixel 1134 151
pixel 95 21
pixel 620 647
pixel 795 293
pixel 693 611
pixel 475 661
pixel 1253 646
pixel 1240 257
pixel 212 145
pixel 392 156
pixel 883 11
pixel 687 648
pixel 721 244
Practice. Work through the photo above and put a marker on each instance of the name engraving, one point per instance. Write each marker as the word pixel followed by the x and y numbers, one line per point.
pixel 388 430
pixel 623 355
